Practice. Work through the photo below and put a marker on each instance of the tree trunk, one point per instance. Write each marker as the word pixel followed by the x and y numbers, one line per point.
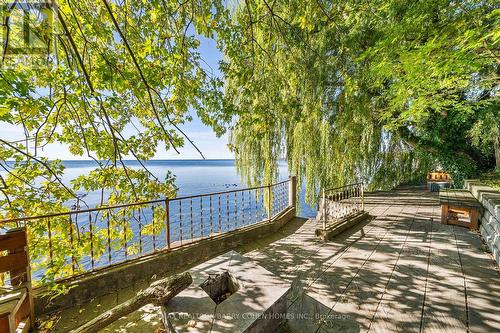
pixel 159 293
pixel 496 145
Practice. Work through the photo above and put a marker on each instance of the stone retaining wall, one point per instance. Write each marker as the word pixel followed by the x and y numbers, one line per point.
pixel 489 224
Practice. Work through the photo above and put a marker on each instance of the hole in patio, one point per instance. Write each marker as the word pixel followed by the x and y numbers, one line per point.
pixel 220 286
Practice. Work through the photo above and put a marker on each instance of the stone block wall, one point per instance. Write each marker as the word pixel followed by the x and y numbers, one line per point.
pixel 489 224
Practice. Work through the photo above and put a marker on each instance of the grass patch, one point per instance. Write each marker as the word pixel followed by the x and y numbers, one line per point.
pixel 492 179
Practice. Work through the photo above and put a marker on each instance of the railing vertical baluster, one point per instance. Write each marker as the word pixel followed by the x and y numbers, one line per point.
pixel 227 212
pixel 191 218
pixel 263 211
pixel 362 197
pixel 140 230
pixel 263 207
pixel 201 217
pixel 109 237
pixel 235 211
pixel 274 199
pixel 359 196
pixel 286 194
pixel 283 197
pixel 256 198
pixel 269 203
pixel 249 207
pixel 324 210
pixel 280 197
pixel 211 223
pixel 91 229
pixel 71 245
pixel 49 231
pixel 167 222
pixel 180 221
pixel 153 225
pixel 219 217
pixel 125 235
pixel 243 207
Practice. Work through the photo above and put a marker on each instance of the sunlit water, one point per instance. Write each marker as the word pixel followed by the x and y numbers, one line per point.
pixel 196 218
pixel 192 177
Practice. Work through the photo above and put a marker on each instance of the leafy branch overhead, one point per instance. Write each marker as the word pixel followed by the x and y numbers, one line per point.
pixel 121 79
pixel 379 91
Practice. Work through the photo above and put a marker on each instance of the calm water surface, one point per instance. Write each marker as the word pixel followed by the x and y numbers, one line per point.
pixel 192 177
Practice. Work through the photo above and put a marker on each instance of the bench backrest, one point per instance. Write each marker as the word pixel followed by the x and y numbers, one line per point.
pixel 15 262
pixel 438 176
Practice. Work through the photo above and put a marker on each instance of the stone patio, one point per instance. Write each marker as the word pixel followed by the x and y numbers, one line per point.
pixel 401 271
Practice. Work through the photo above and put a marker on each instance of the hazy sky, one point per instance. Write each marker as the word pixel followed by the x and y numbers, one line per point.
pixel 203 136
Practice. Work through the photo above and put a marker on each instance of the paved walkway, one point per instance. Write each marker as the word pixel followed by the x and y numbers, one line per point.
pixel 402 271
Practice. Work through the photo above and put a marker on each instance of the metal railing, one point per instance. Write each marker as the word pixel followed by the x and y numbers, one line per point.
pixel 70 243
pixel 341 202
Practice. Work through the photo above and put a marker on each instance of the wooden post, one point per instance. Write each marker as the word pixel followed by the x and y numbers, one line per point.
pixel 474 219
pixel 444 213
pixel 292 191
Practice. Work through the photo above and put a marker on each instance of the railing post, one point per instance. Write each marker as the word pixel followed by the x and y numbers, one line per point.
pixel 362 197
pixel 167 222
pixel 269 203
pixel 324 210
pixel 49 232
pixel 292 191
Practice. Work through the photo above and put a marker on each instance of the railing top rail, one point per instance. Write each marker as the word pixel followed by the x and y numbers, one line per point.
pixel 230 191
pixel 141 203
pixel 79 211
pixel 344 186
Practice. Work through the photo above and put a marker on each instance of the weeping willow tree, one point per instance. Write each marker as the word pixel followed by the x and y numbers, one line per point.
pixel 378 91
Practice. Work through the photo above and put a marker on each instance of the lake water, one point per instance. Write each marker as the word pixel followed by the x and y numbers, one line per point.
pixel 190 218
pixel 192 177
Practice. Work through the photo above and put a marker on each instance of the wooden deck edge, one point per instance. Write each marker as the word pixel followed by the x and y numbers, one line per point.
pixel 340 226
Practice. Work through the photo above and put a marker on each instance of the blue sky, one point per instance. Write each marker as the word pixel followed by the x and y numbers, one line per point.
pixel 203 136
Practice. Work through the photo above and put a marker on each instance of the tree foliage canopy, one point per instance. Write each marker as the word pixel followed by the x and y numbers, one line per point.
pixel 378 91
pixel 114 68
pixel 373 90
pixel 117 81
